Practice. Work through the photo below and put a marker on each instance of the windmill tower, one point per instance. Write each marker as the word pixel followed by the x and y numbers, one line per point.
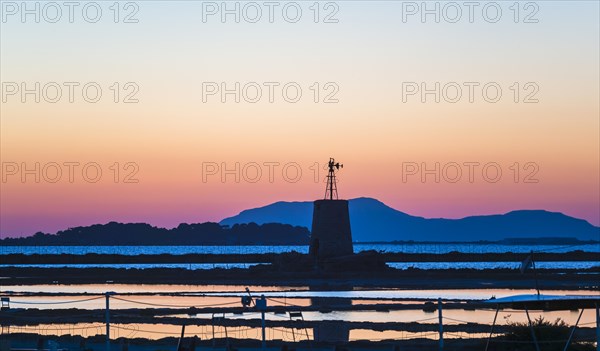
pixel 330 234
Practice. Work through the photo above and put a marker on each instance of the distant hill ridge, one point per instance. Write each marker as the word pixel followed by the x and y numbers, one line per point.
pixel 372 220
pixel 125 234
pixel 287 223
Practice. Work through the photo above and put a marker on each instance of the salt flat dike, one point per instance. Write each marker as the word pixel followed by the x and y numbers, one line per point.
pixel 372 220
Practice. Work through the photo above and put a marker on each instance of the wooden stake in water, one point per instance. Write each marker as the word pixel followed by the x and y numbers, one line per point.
pixel 597 327
pixel 180 342
pixel 441 324
pixel 533 337
pixel 107 321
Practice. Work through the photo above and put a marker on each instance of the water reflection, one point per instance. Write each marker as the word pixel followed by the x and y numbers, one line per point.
pixel 330 330
pixel 332 319
pixel 186 266
pixel 327 331
pixel 428 294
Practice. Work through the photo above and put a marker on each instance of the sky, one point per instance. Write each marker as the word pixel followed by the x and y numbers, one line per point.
pixel 438 111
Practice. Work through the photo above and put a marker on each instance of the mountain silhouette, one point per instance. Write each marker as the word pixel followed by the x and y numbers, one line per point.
pixel 372 220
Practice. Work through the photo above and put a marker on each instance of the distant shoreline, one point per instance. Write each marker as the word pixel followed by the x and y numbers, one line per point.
pixel 542 241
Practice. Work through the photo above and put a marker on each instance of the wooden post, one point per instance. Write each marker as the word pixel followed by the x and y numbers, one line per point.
pixel 179 344
pixel 261 305
pixel 264 341
pixel 441 324
pixel 573 331
pixel 535 342
pixel 213 330
pixel 597 327
pixel 537 286
pixel 107 294
pixel 487 345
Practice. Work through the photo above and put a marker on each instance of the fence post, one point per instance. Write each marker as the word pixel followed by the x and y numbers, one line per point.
pixel 597 327
pixel 487 344
pixel 261 305
pixel 107 294
pixel 180 342
pixel 441 324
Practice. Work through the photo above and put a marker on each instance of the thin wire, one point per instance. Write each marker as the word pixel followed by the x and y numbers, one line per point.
pixel 458 320
pixel 421 320
pixel 166 305
pixel 286 318
pixel 283 302
pixel 56 302
pixel 144 331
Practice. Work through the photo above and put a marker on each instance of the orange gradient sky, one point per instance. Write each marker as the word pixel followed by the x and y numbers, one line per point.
pixel 170 133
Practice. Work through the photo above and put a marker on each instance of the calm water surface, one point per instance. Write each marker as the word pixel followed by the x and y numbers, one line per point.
pixel 229 296
pixel 397 265
pixel 437 248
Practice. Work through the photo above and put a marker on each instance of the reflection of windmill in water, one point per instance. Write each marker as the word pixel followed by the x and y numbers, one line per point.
pixel 330 331
pixel 330 234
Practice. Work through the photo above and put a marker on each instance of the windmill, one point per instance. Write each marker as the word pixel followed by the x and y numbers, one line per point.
pixel 331 189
